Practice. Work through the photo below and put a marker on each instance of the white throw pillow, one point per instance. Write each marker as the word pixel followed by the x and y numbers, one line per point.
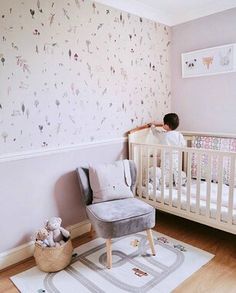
pixel 110 181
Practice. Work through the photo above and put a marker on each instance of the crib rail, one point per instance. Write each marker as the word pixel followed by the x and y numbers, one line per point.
pixel 166 180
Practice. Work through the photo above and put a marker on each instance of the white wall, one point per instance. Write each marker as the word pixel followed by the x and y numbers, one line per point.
pixel 206 103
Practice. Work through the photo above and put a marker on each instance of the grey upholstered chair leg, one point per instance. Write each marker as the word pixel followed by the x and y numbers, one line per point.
pixel 91 231
pixel 109 248
pixel 151 242
pixel 109 253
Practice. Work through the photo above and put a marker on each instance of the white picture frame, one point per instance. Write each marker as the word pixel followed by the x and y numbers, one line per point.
pixel 209 61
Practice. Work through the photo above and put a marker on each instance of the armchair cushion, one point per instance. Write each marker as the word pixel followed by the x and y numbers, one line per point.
pixel 110 181
pixel 121 217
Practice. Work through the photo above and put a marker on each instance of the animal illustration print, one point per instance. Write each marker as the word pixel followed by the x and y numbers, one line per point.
pixel 207 61
pixel 191 63
pixel 225 59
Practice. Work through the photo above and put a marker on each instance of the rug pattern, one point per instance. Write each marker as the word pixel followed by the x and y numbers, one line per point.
pixel 134 268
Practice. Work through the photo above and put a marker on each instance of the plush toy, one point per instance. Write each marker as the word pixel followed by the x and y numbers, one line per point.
pixel 57 234
pixel 42 237
pixel 151 171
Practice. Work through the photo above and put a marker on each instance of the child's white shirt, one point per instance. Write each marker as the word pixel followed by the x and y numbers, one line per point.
pixel 171 138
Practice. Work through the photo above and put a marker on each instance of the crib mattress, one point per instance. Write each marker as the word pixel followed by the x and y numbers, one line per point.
pixel 193 205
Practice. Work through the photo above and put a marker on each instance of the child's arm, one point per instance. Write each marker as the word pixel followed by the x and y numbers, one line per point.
pixel 148 125
pixel 138 128
pixel 158 124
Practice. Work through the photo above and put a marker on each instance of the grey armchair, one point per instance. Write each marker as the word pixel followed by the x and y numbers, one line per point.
pixel 117 218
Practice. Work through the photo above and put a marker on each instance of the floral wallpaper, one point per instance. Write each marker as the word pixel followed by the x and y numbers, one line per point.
pixel 77 71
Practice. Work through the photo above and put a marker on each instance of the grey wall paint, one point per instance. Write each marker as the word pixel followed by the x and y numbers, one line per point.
pixel 206 103
pixel 37 188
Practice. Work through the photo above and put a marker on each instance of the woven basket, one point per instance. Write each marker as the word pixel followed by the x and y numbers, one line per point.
pixel 53 259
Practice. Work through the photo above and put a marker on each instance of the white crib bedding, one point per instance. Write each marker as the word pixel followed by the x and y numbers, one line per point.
pixel 203 193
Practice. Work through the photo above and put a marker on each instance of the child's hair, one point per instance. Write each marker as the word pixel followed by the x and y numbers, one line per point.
pixel 172 120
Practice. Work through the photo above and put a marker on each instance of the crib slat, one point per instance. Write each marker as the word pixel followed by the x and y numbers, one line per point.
pixel 219 187
pixel 189 177
pixel 179 178
pixel 170 154
pixel 148 196
pixel 134 151
pixel 163 157
pixel 231 190
pixel 154 164
pixel 198 189
pixel 131 151
pixel 135 158
pixel 208 189
pixel 140 170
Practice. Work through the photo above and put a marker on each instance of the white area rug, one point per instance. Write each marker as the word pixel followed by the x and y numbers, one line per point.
pixel 134 268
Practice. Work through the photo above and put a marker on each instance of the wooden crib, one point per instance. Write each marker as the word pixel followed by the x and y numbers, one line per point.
pixel 208 192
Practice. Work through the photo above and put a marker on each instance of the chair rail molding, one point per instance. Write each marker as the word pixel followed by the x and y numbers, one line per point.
pixel 50 151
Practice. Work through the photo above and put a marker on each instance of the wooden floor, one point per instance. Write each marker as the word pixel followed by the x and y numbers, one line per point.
pixel 219 275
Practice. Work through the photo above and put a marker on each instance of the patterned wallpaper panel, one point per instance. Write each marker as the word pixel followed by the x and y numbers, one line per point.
pixel 76 71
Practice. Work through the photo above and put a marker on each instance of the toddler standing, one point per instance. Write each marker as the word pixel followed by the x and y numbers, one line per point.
pixel 169 136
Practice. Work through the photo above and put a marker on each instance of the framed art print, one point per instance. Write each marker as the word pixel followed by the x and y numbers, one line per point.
pixel 215 60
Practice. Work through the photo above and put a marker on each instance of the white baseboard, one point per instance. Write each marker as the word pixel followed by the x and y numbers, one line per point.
pixel 79 228
pixel 26 250
pixel 16 254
